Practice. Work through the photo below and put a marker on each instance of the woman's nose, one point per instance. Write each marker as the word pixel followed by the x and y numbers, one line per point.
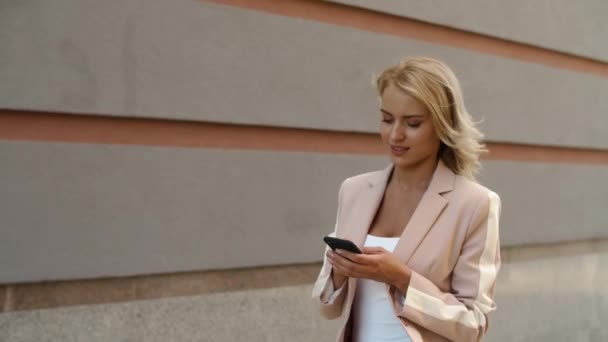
pixel 397 132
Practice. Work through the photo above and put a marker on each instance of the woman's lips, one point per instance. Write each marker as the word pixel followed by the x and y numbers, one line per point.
pixel 399 150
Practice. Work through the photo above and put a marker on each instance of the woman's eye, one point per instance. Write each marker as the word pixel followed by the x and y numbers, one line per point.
pixel 387 120
pixel 413 124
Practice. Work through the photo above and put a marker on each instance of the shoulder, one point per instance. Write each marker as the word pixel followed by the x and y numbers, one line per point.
pixel 351 187
pixel 362 180
pixel 472 190
pixel 478 199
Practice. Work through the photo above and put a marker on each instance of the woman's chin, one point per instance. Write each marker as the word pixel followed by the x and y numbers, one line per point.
pixel 400 161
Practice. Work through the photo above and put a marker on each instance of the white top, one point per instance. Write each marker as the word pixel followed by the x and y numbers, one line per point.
pixel 373 314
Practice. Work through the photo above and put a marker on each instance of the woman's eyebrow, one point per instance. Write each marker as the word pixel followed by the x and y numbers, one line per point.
pixel 405 116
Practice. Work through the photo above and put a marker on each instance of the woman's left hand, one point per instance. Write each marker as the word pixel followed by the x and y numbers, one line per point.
pixel 375 263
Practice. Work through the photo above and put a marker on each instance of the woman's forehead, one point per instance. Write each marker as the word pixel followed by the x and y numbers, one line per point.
pixel 397 102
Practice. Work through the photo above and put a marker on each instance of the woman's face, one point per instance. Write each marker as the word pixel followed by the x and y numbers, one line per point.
pixel 407 129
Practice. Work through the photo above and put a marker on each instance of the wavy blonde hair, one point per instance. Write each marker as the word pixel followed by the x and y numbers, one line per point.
pixel 434 84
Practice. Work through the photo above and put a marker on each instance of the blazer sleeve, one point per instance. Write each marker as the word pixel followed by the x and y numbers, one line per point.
pixel 462 314
pixel 323 289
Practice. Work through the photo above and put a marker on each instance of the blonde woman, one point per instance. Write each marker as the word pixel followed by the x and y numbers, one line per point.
pixel 427 230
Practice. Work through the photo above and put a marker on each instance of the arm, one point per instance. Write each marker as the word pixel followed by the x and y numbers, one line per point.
pixel 462 314
pixel 329 299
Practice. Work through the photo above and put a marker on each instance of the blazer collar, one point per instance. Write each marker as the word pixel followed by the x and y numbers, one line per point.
pixel 430 206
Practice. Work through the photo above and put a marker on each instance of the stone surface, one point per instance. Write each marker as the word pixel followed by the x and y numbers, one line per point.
pixel 182 60
pixel 573 27
pixel 540 298
pixel 80 211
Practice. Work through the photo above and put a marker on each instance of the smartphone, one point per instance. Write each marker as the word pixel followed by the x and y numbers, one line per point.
pixel 336 243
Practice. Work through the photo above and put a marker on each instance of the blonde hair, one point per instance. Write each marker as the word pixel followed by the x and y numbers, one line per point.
pixel 434 84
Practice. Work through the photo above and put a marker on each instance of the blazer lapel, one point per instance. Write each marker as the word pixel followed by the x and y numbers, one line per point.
pixel 430 206
pixel 366 207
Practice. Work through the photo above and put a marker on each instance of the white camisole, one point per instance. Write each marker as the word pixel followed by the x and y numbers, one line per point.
pixel 374 317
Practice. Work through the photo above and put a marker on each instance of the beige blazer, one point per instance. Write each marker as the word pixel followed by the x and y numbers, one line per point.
pixel 451 244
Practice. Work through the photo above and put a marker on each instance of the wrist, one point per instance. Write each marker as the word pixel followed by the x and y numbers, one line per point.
pixel 337 279
pixel 402 282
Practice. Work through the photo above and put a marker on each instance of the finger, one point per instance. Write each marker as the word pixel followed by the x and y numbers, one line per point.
pixel 334 259
pixel 333 255
pixel 351 269
pixel 361 259
pixel 338 267
pixel 354 257
pixel 373 250
pixel 343 263
pixel 347 271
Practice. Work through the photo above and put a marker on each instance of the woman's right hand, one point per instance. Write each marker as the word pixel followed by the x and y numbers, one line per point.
pixel 338 279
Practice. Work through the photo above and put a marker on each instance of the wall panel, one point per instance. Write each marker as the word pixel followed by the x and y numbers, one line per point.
pixel 574 27
pixel 189 60
pixel 80 211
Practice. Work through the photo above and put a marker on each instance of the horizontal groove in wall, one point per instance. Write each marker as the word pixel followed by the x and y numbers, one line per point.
pixel 57 127
pixel 373 21
pixel 37 126
pixel 46 295
pixel 545 154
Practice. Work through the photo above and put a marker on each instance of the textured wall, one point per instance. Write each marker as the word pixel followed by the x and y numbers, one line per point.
pixel 535 303
pixel 82 198
pixel 79 210
pixel 79 207
pixel 188 60
pixel 540 23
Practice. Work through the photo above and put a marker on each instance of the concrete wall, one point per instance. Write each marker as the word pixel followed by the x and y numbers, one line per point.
pixel 115 205
pixel 539 23
pixel 168 61
pixel 76 210
pixel 535 303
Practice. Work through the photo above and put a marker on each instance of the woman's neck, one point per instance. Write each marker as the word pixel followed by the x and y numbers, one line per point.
pixel 414 178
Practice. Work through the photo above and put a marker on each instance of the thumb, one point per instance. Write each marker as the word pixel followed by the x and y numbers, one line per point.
pixel 373 250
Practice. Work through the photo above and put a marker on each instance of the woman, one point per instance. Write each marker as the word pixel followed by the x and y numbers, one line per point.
pixel 428 231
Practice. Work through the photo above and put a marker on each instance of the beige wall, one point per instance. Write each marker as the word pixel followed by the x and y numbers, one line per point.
pixel 91 203
pixel 535 303
pixel 574 27
pixel 169 61
pixel 87 211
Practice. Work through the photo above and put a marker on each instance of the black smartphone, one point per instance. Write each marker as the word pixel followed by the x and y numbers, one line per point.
pixel 336 243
